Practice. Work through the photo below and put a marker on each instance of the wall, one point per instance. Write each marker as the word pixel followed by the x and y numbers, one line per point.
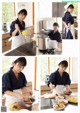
pixel 75 65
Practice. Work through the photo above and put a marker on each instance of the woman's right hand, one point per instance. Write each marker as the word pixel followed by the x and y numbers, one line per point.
pixel 21 97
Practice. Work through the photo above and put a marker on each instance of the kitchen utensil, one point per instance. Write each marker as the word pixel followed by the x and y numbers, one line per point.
pixel 43 41
pixel 59 106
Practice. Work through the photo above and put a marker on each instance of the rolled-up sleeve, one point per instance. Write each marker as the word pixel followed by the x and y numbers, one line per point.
pixel 12 28
pixel 59 38
pixel 6 85
pixel 51 79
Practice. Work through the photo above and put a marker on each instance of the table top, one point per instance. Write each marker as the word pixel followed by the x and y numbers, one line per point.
pixel 69 106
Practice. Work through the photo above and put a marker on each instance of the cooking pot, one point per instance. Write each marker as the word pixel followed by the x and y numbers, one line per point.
pixel 43 42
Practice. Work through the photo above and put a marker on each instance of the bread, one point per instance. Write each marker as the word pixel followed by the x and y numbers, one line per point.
pixel 63 101
pixel 49 95
pixel 15 107
pixel 59 106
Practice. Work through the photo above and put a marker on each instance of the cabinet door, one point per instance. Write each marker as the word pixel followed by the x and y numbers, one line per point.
pixel 54 9
pixel 61 9
pixel 58 9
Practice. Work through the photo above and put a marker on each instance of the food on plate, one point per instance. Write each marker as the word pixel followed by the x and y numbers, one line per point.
pixel 52 95
pixel 73 100
pixel 49 95
pixel 28 101
pixel 15 107
pixel 59 98
pixel 64 101
pixel 59 106
pixel 32 99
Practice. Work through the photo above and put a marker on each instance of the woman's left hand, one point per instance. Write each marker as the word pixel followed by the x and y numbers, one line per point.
pixel 30 91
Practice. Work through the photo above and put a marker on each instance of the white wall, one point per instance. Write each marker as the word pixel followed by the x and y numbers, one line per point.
pixel 75 67
pixel 45 9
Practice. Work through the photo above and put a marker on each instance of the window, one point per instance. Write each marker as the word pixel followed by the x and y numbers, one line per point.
pixel 75 8
pixel 7 11
pixel 43 68
pixel 55 61
pixel 5 64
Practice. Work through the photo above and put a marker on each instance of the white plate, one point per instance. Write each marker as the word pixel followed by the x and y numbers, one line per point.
pixel 59 108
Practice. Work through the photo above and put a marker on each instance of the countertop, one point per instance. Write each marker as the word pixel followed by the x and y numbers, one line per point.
pixel 50 102
pixel 28 49
pixel 69 108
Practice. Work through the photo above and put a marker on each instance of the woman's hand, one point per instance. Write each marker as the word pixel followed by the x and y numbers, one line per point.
pixel 30 91
pixel 21 97
pixel 67 92
pixel 26 90
pixel 51 86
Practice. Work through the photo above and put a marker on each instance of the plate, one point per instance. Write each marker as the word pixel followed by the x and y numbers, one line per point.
pixel 64 101
pixel 73 100
pixel 59 107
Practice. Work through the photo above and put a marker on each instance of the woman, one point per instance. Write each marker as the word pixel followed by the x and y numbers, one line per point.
pixel 60 77
pixel 55 40
pixel 16 28
pixel 68 22
pixel 14 81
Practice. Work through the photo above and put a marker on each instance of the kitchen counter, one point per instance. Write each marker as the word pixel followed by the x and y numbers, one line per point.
pixel 69 108
pixel 47 104
pixel 28 49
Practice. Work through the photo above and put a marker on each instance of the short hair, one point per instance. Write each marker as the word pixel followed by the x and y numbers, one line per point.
pixel 71 6
pixel 56 24
pixel 21 60
pixel 64 63
pixel 23 11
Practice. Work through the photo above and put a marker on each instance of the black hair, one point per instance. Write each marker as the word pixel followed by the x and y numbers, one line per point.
pixel 64 63
pixel 56 24
pixel 21 60
pixel 23 11
pixel 71 6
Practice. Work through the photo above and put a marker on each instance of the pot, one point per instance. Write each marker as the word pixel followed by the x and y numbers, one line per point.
pixel 43 42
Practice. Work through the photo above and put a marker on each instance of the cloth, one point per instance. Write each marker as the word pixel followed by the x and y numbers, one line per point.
pixel 56 79
pixel 68 18
pixel 69 34
pixel 21 26
pixel 10 82
pixel 55 36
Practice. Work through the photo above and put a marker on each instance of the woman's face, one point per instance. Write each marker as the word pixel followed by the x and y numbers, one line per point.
pixel 70 10
pixel 21 16
pixel 18 67
pixel 55 28
pixel 61 68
